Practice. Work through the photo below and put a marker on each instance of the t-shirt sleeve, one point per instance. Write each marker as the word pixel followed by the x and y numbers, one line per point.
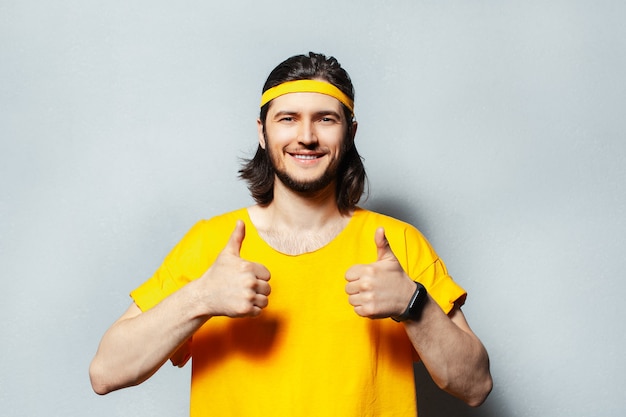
pixel 187 261
pixel 423 265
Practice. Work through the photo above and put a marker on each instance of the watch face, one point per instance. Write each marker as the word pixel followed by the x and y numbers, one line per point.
pixel 415 307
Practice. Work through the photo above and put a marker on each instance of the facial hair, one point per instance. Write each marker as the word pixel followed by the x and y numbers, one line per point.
pixel 305 186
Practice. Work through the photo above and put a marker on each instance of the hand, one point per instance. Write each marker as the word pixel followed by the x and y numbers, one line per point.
pixel 235 287
pixel 381 289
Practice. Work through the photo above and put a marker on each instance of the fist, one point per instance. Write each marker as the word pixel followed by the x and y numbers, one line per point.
pixel 235 287
pixel 380 289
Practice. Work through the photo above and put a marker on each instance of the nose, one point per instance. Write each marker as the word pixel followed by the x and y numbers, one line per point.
pixel 307 135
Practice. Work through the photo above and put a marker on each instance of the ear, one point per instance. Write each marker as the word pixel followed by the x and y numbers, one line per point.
pixel 353 131
pixel 259 127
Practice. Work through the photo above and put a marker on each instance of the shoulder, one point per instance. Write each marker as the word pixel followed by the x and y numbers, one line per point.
pixel 225 220
pixel 218 222
pixel 404 238
pixel 210 234
pixel 393 226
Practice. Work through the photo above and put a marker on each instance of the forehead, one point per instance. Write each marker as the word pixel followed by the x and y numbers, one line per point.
pixel 305 102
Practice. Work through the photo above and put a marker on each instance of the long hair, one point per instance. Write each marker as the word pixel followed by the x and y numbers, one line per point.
pixel 351 177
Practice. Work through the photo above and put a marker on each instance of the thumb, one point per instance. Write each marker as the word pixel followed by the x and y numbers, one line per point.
pixel 233 246
pixel 382 245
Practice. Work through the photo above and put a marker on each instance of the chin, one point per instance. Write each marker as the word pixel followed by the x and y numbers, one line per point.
pixel 306 185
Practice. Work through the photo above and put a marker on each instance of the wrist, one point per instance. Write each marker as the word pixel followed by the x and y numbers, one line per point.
pixel 413 309
pixel 199 301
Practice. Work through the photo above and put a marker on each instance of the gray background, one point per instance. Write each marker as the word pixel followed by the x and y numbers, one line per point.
pixel 495 127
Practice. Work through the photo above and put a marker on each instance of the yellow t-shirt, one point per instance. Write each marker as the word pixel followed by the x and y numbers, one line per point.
pixel 308 353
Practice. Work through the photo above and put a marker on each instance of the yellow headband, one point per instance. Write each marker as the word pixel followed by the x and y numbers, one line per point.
pixel 306 86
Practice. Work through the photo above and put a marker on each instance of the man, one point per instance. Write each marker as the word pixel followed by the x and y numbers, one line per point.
pixel 356 297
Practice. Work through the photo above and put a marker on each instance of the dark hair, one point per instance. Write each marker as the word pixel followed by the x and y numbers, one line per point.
pixel 351 177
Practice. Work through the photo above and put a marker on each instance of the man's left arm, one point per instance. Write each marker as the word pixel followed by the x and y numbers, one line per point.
pixel 453 355
pixel 451 352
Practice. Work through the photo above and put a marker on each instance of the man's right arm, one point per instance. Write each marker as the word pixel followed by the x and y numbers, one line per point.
pixel 138 343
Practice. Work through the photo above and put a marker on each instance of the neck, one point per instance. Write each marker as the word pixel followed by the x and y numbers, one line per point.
pixel 300 211
pixel 294 223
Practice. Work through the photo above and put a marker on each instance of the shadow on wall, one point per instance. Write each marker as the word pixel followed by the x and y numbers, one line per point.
pixel 433 402
pixel 391 207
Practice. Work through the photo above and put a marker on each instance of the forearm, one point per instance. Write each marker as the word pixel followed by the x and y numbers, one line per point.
pixel 455 358
pixel 138 344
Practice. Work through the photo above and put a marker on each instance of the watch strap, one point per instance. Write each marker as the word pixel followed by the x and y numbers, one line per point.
pixel 413 310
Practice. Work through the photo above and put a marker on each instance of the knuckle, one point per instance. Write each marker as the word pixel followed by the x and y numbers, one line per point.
pixel 243 309
pixel 369 270
pixel 249 296
pixel 249 282
pixel 370 310
pixel 245 266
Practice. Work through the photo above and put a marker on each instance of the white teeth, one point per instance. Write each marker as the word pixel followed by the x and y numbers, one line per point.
pixel 305 156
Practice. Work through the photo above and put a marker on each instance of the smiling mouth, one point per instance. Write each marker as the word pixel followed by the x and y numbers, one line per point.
pixel 306 157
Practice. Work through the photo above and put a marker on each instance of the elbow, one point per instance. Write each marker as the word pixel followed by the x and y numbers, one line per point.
pixel 481 392
pixel 104 379
pixel 98 379
pixel 99 389
pixel 480 384
pixel 472 391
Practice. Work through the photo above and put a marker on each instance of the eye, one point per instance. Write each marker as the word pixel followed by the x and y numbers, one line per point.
pixel 286 119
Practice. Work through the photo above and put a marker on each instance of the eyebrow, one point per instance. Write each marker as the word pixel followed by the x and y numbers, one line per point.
pixel 317 113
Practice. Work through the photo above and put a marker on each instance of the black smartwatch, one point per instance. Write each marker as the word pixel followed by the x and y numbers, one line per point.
pixel 414 309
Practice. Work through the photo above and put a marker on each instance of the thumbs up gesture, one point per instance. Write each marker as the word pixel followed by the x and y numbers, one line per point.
pixel 232 286
pixel 380 289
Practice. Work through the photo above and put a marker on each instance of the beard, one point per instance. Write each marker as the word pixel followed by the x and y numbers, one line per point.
pixel 310 186
pixel 305 186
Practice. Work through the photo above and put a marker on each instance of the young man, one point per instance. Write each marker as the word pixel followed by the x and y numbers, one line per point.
pixel 356 297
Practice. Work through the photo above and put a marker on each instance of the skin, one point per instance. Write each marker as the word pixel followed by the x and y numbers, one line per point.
pixel 304 134
pixel 137 344
pixel 310 164
pixel 453 355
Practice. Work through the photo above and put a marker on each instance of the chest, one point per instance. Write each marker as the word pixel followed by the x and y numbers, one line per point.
pixel 297 242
